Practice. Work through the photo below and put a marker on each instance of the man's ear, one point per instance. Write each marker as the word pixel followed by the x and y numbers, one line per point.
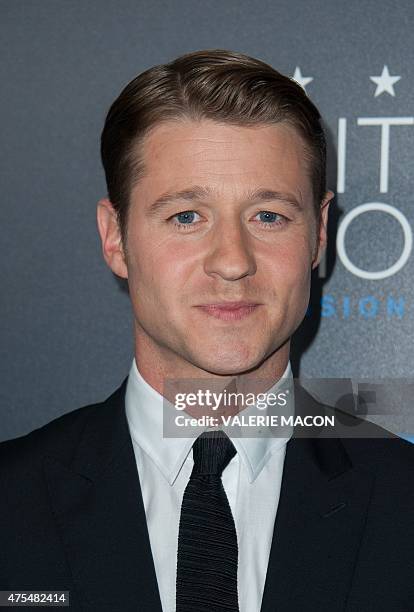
pixel 109 231
pixel 322 230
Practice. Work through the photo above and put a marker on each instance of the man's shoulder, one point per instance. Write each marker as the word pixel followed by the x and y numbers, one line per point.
pixel 367 444
pixel 373 447
pixel 58 437
pixel 390 454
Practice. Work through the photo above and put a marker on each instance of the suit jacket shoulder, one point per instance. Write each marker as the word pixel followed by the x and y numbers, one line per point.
pixel 375 448
pixel 59 437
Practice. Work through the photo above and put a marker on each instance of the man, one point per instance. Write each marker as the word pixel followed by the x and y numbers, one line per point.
pixel 216 215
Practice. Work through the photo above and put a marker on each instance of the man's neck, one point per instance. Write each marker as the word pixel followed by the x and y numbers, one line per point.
pixel 158 364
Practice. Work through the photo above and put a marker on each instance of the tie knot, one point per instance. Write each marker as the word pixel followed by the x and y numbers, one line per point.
pixel 212 452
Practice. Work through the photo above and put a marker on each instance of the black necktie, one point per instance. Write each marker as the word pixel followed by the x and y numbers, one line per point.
pixel 207 540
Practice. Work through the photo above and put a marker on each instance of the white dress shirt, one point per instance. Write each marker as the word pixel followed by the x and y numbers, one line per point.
pixel 251 481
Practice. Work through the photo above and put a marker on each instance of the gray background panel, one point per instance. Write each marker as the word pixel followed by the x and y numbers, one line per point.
pixel 66 333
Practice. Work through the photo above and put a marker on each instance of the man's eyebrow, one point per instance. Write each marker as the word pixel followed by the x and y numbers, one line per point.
pixel 191 194
pixel 197 193
pixel 270 195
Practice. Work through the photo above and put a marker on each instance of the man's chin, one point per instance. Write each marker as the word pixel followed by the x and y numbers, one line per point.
pixel 229 364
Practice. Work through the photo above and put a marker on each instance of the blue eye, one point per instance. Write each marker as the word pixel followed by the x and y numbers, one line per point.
pixel 266 216
pixel 186 217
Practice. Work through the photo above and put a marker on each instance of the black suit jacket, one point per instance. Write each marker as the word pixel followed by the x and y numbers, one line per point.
pixel 72 518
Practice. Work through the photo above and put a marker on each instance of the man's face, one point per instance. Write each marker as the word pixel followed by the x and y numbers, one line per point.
pixel 221 240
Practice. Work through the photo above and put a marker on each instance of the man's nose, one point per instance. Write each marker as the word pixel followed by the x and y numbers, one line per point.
pixel 230 255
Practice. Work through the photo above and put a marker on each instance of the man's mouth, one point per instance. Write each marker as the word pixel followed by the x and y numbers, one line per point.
pixel 229 311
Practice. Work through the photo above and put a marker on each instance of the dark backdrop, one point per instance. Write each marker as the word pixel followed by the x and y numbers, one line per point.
pixel 66 333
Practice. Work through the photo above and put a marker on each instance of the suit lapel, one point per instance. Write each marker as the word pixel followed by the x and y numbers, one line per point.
pixel 97 503
pixel 319 526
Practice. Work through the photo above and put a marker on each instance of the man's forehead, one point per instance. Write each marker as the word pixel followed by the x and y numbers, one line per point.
pixel 206 133
pixel 183 153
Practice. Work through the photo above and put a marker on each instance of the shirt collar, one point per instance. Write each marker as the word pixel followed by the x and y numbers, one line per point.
pixel 144 411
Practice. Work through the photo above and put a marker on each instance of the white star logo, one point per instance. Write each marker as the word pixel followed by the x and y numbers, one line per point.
pixel 385 82
pixel 302 80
